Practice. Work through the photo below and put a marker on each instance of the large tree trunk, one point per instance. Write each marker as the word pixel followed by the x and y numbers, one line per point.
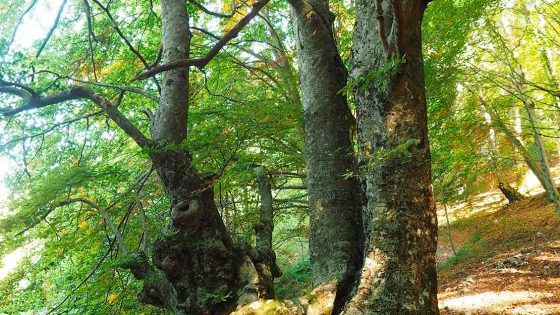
pixel 334 196
pixel 398 274
pixel 203 271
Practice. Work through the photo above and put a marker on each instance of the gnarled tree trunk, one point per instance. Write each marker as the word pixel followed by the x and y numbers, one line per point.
pixel 203 271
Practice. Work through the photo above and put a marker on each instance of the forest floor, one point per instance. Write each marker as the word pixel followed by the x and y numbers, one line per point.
pixel 507 257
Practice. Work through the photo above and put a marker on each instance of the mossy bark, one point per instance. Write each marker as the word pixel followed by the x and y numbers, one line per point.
pixel 195 267
pixel 398 275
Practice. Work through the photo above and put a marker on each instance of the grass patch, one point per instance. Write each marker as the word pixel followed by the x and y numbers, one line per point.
pixel 295 280
pixel 475 248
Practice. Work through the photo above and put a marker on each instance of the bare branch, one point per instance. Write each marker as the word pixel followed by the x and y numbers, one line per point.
pixel 18 23
pixel 202 62
pixel 216 14
pixel 51 128
pixel 91 37
pixel 127 42
pixel 105 85
pixel 158 57
pixel 81 92
pixel 15 91
pixel 51 31
pixel 4 83
pixel 121 34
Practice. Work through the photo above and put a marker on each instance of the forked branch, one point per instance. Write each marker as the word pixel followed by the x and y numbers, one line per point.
pixel 203 61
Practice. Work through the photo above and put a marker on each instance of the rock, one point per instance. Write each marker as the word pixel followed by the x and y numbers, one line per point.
pixel 468 281
pixel 270 307
pixel 540 235
pixel 321 300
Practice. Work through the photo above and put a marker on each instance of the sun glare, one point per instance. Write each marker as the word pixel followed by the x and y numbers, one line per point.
pixel 36 23
pixel 6 165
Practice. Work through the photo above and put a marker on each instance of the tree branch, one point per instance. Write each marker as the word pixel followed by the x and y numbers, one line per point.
pixel 81 92
pixel 127 42
pixel 112 226
pixel 203 61
pixel 18 23
pixel 216 14
pixel 51 31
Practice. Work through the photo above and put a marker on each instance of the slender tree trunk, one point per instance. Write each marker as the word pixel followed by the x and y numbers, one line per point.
pixel 509 192
pixel 519 81
pixel 263 255
pixel 398 274
pixel 334 198
pixel 527 156
pixel 448 227
pixel 548 184
pixel 545 57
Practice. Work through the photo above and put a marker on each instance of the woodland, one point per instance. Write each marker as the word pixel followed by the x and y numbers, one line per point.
pixel 276 157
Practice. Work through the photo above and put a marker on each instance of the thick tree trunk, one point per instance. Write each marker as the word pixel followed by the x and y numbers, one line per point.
pixel 398 274
pixel 199 269
pixel 334 198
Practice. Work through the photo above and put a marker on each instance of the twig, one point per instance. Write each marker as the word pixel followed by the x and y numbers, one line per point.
pixel 216 14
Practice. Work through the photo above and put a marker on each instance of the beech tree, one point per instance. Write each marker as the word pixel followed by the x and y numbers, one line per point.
pixel 398 274
pixel 195 258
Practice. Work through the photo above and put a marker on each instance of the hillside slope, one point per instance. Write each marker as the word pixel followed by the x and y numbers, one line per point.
pixel 507 260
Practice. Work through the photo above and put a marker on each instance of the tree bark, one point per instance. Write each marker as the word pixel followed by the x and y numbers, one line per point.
pixel 333 189
pixel 516 141
pixel 511 193
pixel 548 183
pixel 263 255
pixel 398 274
pixel 199 268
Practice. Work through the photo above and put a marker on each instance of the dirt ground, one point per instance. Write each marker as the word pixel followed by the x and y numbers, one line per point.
pixel 508 257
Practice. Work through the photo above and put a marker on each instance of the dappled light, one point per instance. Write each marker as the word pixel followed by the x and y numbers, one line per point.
pixel 491 301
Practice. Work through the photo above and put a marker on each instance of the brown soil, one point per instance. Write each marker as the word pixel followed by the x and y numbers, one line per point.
pixel 508 260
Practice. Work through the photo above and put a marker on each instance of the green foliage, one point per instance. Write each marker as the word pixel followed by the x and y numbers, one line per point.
pixel 475 247
pixel 295 280
pixel 244 108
